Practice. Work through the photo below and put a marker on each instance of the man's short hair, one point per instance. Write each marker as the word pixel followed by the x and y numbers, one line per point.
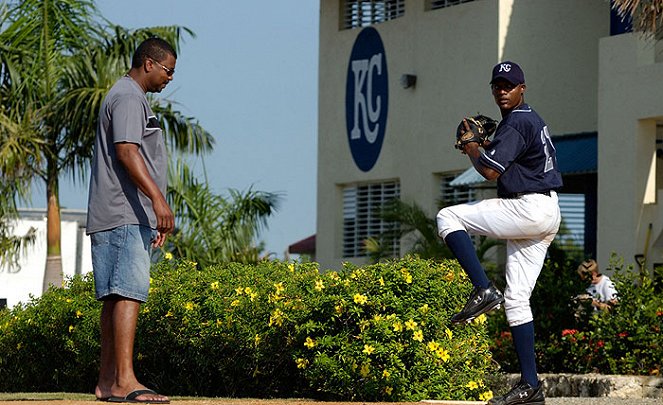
pixel 154 48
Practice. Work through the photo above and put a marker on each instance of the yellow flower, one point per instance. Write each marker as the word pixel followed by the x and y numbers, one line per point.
pixel 168 256
pixel 188 306
pixel 410 324
pixel 79 314
pixel 364 370
pixel 257 339
pixel 360 299
pixel 449 333
pixel 301 363
pixel 276 318
pixel 310 343
pixel 418 336
pixel 406 275
pixel 239 291
pixel 481 319
pixel 71 328
pixel 398 327
pixel 486 396
pixel 253 295
pixel 247 290
pixel 291 267
pixel 214 285
pixel 338 309
pixel 388 390
pixel 443 354
pixel 433 346
pixel 449 276
pixel 424 308
pixel 279 288
pixel 368 349
pixel 169 313
pixel 68 300
pixel 319 285
pixel 234 303
pixel 472 385
pixel 381 281
pixel 386 374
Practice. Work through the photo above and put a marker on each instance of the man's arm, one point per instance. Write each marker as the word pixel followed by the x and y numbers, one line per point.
pixel 131 159
pixel 472 151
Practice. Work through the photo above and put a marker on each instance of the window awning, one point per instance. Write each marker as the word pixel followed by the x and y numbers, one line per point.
pixel 576 154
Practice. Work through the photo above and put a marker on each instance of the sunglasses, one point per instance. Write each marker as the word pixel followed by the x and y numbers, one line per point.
pixel 169 71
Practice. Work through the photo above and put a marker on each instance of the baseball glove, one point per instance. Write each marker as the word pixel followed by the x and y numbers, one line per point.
pixel 480 129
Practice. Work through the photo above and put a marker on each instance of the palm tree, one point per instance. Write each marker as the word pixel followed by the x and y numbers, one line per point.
pixel 56 65
pixel 212 228
pixel 647 15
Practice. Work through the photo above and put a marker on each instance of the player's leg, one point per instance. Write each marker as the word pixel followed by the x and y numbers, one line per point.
pixel 453 225
pixel 524 262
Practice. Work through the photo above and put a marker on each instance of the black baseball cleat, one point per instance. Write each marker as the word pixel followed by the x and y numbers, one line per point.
pixel 521 393
pixel 481 300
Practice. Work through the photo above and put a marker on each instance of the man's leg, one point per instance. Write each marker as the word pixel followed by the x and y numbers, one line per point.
pixel 125 317
pixel 107 369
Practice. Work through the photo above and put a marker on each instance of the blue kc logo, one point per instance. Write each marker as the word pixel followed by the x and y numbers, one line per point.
pixel 366 98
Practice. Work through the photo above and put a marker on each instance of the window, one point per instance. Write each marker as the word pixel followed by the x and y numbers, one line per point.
pixel 362 13
pixel 454 195
pixel 361 206
pixel 571 235
pixel 435 4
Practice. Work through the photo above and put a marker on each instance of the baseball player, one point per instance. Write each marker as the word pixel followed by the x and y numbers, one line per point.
pixel 521 158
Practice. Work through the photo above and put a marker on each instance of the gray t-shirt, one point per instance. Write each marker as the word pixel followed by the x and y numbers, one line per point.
pixel 114 199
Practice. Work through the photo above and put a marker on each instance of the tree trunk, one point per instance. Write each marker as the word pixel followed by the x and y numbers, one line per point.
pixel 53 271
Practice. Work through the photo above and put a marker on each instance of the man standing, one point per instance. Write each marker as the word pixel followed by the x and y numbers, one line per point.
pixel 526 214
pixel 128 214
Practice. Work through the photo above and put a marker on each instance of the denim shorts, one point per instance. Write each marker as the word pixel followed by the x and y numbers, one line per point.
pixel 121 261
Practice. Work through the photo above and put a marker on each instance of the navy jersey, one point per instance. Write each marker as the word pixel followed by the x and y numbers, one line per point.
pixel 523 153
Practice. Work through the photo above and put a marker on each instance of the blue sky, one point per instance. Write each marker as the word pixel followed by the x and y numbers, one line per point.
pixel 250 78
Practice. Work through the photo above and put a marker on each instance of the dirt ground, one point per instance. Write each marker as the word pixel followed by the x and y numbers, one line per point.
pixel 82 399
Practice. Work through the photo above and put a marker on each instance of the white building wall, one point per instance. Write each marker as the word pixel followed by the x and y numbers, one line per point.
pixel 20 283
pixel 630 110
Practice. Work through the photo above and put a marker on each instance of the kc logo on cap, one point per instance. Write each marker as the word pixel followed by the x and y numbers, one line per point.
pixel 509 71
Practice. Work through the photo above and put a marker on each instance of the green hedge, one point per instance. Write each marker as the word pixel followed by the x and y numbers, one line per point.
pixel 274 329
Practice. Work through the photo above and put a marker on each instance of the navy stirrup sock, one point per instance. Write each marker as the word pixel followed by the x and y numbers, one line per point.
pixel 461 245
pixel 523 340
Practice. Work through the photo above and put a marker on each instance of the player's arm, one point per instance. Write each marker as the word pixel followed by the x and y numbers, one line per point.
pixel 132 161
pixel 473 152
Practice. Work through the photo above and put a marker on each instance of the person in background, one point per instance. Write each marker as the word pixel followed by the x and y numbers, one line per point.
pixel 601 289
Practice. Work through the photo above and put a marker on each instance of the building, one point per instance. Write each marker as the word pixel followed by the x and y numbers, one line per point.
pixel 396 76
pixel 25 280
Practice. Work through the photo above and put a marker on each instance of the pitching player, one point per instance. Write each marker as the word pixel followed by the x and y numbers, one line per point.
pixel 521 158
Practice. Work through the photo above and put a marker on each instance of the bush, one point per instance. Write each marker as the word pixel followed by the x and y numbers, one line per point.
pixel 552 307
pixel 274 329
pixel 626 340
pixel 52 342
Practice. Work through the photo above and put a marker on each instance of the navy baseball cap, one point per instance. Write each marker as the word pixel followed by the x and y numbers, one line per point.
pixel 509 71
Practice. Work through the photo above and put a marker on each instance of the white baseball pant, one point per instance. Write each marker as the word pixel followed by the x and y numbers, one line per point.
pixel 528 223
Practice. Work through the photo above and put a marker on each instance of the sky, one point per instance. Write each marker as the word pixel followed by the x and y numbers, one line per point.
pixel 250 77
